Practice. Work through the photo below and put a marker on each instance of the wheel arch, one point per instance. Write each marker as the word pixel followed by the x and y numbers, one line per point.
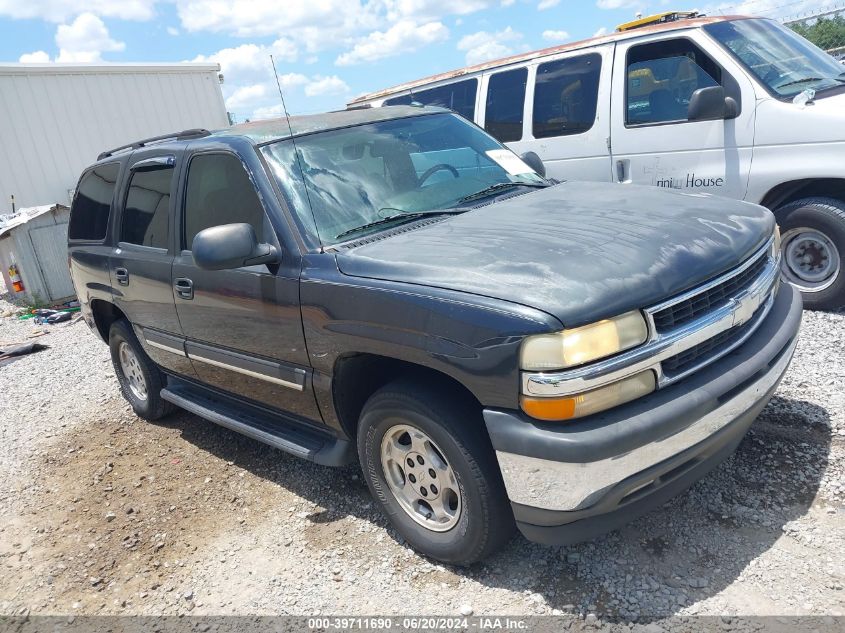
pixel 793 190
pixel 105 313
pixel 358 376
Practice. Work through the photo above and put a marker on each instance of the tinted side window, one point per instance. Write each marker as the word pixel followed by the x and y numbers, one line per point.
pixel 505 102
pixel 146 212
pixel 565 96
pixel 662 77
pixel 89 216
pixel 219 191
pixel 459 96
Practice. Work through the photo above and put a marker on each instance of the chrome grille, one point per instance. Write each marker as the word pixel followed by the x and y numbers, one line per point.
pixel 708 300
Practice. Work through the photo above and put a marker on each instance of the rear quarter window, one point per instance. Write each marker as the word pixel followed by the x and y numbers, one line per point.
pixel 89 214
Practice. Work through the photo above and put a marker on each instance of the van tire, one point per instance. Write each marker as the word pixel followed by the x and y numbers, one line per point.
pixel 124 345
pixel 825 216
pixel 484 522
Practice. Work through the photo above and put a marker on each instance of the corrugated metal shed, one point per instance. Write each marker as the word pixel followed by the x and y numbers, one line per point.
pixel 56 118
pixel 35 241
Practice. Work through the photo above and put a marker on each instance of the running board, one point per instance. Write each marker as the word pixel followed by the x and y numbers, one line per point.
pixel 282 433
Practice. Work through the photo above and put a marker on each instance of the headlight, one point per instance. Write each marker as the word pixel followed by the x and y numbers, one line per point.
pixel 580 345
pixel 589 402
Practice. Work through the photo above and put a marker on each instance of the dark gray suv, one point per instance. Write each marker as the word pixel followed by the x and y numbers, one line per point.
pixel 394 285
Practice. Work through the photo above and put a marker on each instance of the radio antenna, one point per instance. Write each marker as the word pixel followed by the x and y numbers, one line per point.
pixel 295 150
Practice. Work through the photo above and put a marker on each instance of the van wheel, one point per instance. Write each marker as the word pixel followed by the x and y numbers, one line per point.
pixel 141 381
pixel 813 244
pixel 429 464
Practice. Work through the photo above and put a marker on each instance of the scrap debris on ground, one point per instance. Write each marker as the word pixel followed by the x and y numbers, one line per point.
pixel 102 513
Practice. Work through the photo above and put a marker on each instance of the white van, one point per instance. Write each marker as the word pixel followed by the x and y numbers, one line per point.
pixel 734 106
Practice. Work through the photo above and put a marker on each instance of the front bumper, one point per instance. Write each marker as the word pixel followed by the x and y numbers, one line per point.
pixel 569 482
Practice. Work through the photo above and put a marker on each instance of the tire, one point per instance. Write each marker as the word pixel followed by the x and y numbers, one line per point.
pixel 471 494
pixel 147 402
pixel 813 245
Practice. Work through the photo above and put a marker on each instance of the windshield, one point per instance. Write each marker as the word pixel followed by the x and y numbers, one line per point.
pixel 363 175
pixel 783 60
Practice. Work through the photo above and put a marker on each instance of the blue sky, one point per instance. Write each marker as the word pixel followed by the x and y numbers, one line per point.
pixel 326 50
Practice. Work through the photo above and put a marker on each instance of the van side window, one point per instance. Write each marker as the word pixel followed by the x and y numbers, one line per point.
pixel 459 96
pixel 219 191
pixel 505 103
pixel 89 215
pixel 662 77
pixel 146 214
pixel 566 95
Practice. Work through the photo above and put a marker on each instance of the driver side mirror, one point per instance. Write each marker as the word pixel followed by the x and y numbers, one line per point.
pixel 231 246
pixel 711 104
pixel 534 162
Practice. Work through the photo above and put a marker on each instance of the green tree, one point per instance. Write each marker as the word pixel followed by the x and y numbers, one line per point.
pixel 826 33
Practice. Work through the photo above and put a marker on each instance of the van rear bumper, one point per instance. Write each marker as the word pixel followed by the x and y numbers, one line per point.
pixel 570 482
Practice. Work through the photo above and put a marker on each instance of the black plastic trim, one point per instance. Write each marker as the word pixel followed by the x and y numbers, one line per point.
pixel 272 370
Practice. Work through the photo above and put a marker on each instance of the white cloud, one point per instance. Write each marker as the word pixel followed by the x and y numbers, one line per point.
pixel 299 19
pixel 484 46
pixel 85 40
pixel 618 4
pixel 249 64
pixel 765 8
pixel 36 57
pixel 436 9
pixel 555 36
pixel 547 4
pixel 172 30
pixel 601 31
pixel 63 10
pixel 402 37
pixel 321 86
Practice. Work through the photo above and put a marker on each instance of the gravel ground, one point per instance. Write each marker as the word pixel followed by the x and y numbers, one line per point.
pixel 102 513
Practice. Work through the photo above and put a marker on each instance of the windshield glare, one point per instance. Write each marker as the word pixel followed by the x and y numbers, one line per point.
pixel 359 175
pixel 783 60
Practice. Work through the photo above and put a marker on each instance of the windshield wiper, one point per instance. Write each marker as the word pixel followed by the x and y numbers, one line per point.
pixel 404 217
pixel 805 80
pixel 498 187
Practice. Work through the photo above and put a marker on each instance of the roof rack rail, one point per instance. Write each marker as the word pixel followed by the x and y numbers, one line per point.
pixel 660 18
pixel 179 136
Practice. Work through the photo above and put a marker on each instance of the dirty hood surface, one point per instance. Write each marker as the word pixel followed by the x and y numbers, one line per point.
pixel 578 251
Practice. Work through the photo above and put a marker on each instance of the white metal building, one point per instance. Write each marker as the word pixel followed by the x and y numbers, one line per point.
pixel 56 118
pixel 35 242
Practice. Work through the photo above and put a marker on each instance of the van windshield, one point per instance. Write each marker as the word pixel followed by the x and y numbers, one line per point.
pixel 359 180
pixel 785 62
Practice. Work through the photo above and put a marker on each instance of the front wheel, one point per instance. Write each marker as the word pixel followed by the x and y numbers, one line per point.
pixel 813 244
pixel 429 464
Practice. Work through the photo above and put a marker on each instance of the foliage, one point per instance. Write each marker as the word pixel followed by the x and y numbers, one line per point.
pixel 826 33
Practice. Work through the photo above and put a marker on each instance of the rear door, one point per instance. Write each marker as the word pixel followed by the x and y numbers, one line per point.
pixel 243 326
pixel 140 264
pixel 653 141
pixel 566 112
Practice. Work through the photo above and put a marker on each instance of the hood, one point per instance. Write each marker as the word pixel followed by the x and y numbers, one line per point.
pixel 785 123
pixel 578 251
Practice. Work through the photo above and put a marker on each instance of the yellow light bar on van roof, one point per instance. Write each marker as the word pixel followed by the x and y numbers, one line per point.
pixel 658 18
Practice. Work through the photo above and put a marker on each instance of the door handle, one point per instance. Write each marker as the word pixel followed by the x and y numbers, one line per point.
pixel 621 170
pixel 184 288
pixel 122 276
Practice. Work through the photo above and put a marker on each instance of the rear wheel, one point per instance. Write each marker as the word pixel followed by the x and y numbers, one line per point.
pixel 140 378
pixel 813 244
pixel 429 464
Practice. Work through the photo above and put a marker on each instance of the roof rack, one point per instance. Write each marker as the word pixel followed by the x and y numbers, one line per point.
pixel 659 18
pixel 179 136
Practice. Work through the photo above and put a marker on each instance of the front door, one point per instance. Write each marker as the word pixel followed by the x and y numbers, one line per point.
pixel 243 326
pixel 653 142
